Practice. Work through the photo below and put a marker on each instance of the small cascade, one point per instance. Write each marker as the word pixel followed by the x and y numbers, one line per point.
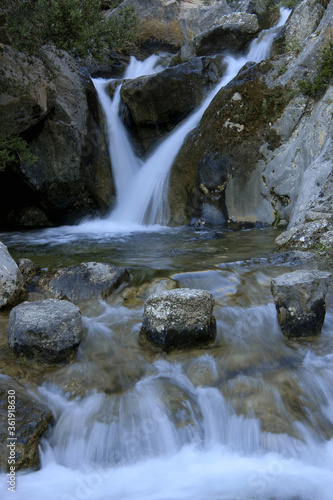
pixel 125 163
pixel 142 186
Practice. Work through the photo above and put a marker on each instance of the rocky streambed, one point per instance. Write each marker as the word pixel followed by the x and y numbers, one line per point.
pixel 236 271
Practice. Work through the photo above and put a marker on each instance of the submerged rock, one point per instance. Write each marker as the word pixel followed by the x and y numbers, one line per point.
pixel 179 319
pixel 29 269
pixel 46 330
pixel 89 280
pixel 300 302
pixel 31 420
pixel 12 285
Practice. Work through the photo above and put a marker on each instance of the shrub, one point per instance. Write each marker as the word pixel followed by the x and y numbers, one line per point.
pixel 76 26
pixel 12 146
pixel 323 75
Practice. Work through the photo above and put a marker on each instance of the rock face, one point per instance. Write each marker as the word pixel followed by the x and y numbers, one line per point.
pixel 179 319
pixel 263 151
pixel 300 302
pixel 232 35
pixel 157 103
pixel 172 22
pixel 48 102
pixel 216 174
pixel 32 418
pixel 303 22
pixel 12 285
pixel 46 330
pixel 89 280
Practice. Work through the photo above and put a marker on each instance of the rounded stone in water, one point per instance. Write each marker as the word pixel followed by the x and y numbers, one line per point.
pixel 179 319
pixel 300 302
pixel 46 330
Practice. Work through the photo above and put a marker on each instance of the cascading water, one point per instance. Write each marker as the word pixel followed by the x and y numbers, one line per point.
pixel 142 187
pixel 250 419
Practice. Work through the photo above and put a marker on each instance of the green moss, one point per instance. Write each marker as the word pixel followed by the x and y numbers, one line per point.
pixel 323 75
pixel 12 146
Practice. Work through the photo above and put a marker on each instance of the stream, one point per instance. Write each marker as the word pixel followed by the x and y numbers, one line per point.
pixel 249 418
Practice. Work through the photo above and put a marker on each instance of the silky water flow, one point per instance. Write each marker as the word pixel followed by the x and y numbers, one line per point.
pixel 250 418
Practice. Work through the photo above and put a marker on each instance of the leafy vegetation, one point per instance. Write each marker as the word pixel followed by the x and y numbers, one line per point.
pixel 323 75
pixel 12 146
pixel 76 26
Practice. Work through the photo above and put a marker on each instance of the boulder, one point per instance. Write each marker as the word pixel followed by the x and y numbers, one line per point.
pixel 169 95
pixel 46 330
pixel 49 102
pixel 12 285
pixel 158 102
pixel 32 419
pixel 29 269
pixel 232 35
pixel 305 236
pixel 300 302
pixel 170 23
pixel 303 21
pixel 89 280
pixel 179 319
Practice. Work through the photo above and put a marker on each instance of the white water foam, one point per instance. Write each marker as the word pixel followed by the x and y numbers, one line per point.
pixel 142 197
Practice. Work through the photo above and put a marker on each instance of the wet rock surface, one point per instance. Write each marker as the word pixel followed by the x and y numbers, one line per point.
pixel 12 285
pixel 48 330
pixel 218 167
pixel 32 419
pixel 300 301
pixel 45 99
pixel 89 280
pixel 30 271
pixel 179 319
pixel 157 103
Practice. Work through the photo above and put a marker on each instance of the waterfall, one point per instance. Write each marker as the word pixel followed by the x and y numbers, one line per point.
pixel 142 186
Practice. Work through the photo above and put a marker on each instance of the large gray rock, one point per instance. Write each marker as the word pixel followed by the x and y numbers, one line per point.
pixel 174 22
pixel 300 302
pixel 179 319
pixel 305 236
pixel 12 285
pixel 232 35
pixel 158 102
pixel 46 330
pixel 32 419
pixel 303 21
pixel 89 280
pixel 29 269
pixel 49 101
